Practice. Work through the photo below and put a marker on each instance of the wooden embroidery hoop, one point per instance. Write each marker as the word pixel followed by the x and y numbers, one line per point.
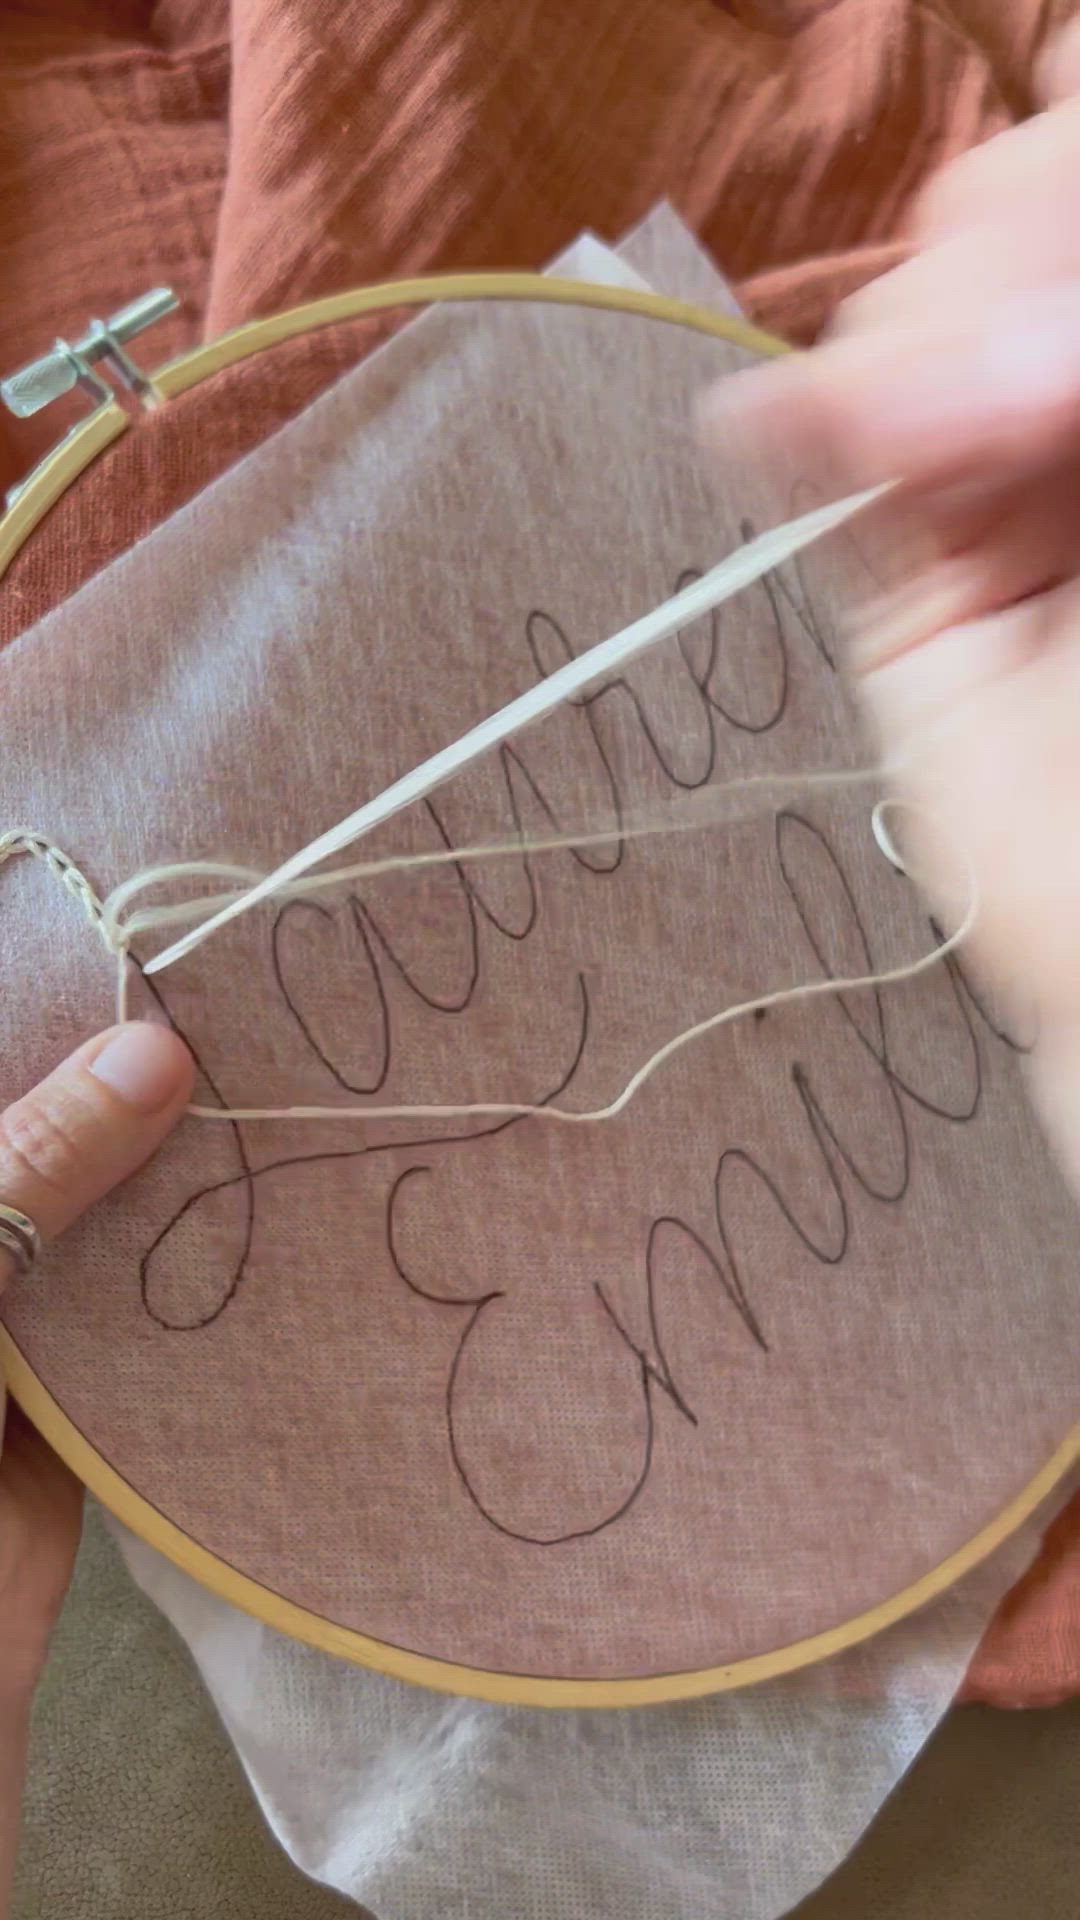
pixel 29 507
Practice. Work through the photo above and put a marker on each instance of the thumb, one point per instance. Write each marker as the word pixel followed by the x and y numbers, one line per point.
pixel 90 1124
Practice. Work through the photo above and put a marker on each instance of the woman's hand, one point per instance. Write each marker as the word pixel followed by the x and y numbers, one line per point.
pixel 959 375
pixel 78 1135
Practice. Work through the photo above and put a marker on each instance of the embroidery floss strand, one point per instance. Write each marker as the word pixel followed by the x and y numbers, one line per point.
pixel 117 936
pixel 740 570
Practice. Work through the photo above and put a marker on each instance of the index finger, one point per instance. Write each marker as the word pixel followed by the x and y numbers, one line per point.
pixel 987 395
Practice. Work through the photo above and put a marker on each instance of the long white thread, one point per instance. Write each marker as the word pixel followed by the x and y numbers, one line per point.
pixel 116 937
pixel 707 807
pixel 740 570
pixel 293 879
pixel 513 1109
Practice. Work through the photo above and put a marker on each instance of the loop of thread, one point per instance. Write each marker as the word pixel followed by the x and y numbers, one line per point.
pixel 115 939
pixel 740 569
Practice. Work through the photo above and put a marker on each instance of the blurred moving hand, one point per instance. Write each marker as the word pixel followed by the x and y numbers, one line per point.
pixel 958 375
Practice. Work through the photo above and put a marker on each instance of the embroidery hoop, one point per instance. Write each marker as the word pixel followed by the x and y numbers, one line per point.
pixel 33 501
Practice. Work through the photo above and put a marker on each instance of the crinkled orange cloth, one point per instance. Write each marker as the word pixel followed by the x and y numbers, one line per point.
pixel 257 154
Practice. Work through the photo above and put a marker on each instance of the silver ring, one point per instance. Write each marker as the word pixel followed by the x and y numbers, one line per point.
pixel 19 1237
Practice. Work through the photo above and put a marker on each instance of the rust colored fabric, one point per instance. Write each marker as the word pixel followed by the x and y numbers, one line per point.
pixel 257 155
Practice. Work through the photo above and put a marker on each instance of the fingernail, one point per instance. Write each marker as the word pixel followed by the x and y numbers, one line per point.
pixel 144 1065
